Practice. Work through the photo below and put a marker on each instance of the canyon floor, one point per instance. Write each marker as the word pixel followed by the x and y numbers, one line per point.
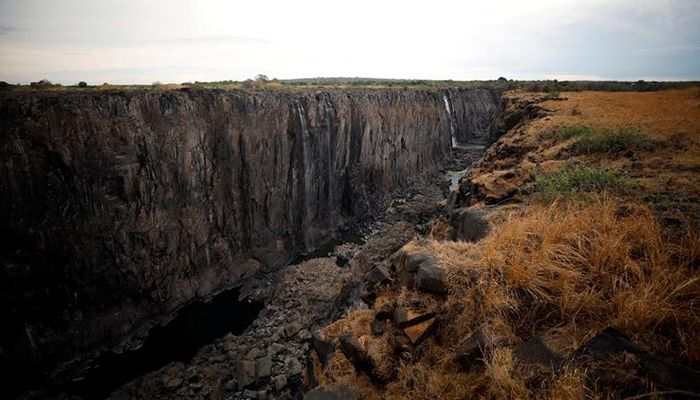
pixel 562 261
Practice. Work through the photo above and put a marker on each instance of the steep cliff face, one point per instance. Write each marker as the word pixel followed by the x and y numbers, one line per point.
pixel 474 115
pixel 119 206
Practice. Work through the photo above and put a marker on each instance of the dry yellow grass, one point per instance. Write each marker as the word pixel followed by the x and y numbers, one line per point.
pixel 570 270
pixel 555 271
pixel 670 118
pixel 666 173
pixel 660 114
pixel 565 270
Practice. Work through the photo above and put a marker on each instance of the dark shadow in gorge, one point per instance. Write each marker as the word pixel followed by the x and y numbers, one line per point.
pixel 195 326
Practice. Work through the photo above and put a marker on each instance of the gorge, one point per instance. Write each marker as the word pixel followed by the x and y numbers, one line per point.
pixel 120 208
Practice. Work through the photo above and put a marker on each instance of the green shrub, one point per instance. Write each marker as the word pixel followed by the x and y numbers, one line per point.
pixel 575 178
pixel 577 131
pixel 613 141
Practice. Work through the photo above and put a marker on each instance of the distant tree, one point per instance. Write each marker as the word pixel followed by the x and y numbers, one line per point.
pixel 502 79
pixel 261 78
pixel 552 89
pixel 44 83
pixel 82 84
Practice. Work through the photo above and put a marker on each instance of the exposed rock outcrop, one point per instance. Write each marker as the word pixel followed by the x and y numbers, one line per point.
pixel 475 115
pixel 119 206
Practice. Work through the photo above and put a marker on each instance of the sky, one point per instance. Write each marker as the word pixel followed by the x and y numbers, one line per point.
pixel 142 41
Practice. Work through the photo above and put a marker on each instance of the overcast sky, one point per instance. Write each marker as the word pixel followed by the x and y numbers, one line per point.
pixel 141 41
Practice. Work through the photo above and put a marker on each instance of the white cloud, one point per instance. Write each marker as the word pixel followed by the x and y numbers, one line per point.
pixel 135 41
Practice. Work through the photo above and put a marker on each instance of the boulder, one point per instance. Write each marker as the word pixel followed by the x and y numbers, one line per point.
pixel 414 260
pixel 619 367
pixel 359 358
pixel 341 391
pixel 430 278
pixel 378 275
pixel 406 279
pixel 245 373
pixel 418 332
pixel 467 225
pixel 324 348
pixel 398 259
pixel 263 365
pixel 471 351
pixel 422 272
pixel 536 359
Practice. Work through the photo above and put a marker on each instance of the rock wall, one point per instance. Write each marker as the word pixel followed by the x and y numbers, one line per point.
pixel 474 113
pixel 119 206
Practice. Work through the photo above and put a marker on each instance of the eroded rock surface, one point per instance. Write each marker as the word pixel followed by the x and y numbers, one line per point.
pixel 117 207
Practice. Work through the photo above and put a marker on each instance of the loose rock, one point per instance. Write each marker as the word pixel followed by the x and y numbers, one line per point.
pixel 619 366
pixel 536 359
pixel 471 351
pixel 324 348
pixel 245 372
pixel 336 392
pixel 419 332
pixel 359 358
pixel 263 365
pixel 430 278
pixel 404 317
pixel 414 260
pixel 378 275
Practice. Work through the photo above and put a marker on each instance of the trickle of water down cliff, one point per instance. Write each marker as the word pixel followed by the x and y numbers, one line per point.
pixel 117 209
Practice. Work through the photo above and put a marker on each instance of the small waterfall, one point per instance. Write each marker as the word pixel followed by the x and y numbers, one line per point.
pixel 448 108
pixel 308 173
pixel 330 116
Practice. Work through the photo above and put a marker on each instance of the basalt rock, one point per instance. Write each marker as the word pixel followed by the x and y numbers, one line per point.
pixel 341 391
pixel 378 275
pixel 471 352
pixel 119 207
pixel 620 367
pixel 324 348
pixel 467 225
pixel 474 113
pixel 360 359
pixel 536 359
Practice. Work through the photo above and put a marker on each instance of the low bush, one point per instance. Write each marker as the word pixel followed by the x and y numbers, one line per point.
pixel 613 141
pixel 576 131
pixel 576 178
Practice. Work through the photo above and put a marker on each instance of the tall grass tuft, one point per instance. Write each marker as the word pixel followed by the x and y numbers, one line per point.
pixel 613 141
pixel 576 131
pixel 575 179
